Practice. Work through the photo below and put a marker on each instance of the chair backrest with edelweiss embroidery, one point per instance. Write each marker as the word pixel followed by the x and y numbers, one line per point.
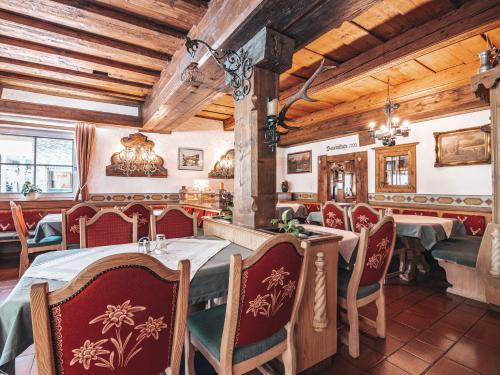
pixel 375 251
pixel 123 314
pixel 143 217
pixel 362 216
pixel 71 222
pixel 334 216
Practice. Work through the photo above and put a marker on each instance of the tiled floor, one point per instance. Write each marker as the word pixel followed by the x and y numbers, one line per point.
pixel 427 332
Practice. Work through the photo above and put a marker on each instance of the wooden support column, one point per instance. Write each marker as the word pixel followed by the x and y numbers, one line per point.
pixel 255 162
pixel 486 85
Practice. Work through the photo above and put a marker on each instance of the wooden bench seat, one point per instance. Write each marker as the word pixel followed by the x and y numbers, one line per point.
pixel 462 250
pixel 458 257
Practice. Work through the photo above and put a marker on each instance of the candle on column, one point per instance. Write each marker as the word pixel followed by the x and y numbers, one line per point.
pixel 221 186
pixel 272 107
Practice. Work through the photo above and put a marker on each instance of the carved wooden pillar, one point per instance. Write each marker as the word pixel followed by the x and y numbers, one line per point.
pixel 486 86
pixel 255 162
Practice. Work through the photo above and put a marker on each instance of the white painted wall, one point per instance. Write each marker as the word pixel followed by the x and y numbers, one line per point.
pixel 473 180
pixel 213 142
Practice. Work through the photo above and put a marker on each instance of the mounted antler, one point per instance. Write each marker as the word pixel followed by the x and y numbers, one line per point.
pixel 301 94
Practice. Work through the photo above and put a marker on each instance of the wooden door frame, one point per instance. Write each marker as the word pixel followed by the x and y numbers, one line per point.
pixel 360 166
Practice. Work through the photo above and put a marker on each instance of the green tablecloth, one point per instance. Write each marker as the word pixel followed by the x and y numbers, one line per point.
pixel 16 336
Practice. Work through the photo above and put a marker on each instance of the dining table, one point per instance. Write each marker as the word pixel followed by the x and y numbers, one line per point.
pixel 209 281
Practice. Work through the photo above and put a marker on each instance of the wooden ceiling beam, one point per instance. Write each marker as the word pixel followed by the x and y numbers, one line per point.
pixel 471 19
pixel 228 124
pixel 66 92
pixel 447 79
pixel 229 25
pixel 13 78
pixel 76 56
pixel 118 14
pixel 50 32
pixel 14 65
pixel 444 103
pixel 81 15
pixel 13 107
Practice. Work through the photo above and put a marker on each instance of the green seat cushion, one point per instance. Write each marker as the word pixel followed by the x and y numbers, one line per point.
pixel 46 241
pixel 462 250
pixel 207 326
pixel 343 282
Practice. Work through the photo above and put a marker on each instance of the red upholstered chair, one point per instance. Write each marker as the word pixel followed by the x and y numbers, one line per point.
pixel 29 246
pixel 362 216
pixel 334 216
pixel 143 216
pixel 199 213
pixel 108 227
pixel 71 222
pixel 174 223
pixel 257 324
pixel 475 225
pixel 188 209
pixel 124 314
pixel 365 283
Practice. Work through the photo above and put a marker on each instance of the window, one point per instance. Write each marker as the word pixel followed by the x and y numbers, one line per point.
pixel 395 169
pixel 46 162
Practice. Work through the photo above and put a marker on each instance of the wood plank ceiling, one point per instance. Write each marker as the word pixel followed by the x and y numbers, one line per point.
pixel 104 50
pixel 443 69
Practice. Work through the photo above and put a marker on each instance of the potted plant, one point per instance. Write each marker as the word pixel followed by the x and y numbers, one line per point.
pixel 30 191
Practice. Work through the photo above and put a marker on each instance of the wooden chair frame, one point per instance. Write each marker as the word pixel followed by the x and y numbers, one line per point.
pixel 352 209
pixel 343 210
pixel 351 303
pixel 286 348
pixel 150 210
pixel 155 218
pixel 24 260
pixel 64 220
pixel 41 298
pixel 84 223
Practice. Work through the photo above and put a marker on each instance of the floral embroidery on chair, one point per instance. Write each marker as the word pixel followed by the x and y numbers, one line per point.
pixel 142 220
pixel 116 317
pixel 363 222
pixel 378 258
pixel 269 304
pixel 332 220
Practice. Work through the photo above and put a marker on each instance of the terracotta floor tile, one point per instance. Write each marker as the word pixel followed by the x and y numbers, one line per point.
pixel 385 346
pixel 492 317
pixel 400 331
pixel 434 338
pixel 473 310
pixel 408 362
pixel 460 320
pixel 476 356
pixel 341 366
pixel 415 321
pixel 387 368
pixel 440 302
pixel 425 311
pixel 486 333
pixel 367 359
pixel 446 366
pixel 446 330
pixel 423 350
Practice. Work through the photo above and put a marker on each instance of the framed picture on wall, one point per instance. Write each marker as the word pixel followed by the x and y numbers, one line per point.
pixel 463 147
pixel 299 162
pixel 190 159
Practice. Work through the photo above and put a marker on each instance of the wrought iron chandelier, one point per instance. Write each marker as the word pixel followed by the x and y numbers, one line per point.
pixel 393 127
pixel 238 67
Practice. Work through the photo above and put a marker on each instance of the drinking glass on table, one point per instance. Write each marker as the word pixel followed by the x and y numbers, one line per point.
pixel 160 244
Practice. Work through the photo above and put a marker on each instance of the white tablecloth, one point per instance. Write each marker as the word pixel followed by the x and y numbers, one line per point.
pixel 197 251
pixel 348 243
pixel 447 224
